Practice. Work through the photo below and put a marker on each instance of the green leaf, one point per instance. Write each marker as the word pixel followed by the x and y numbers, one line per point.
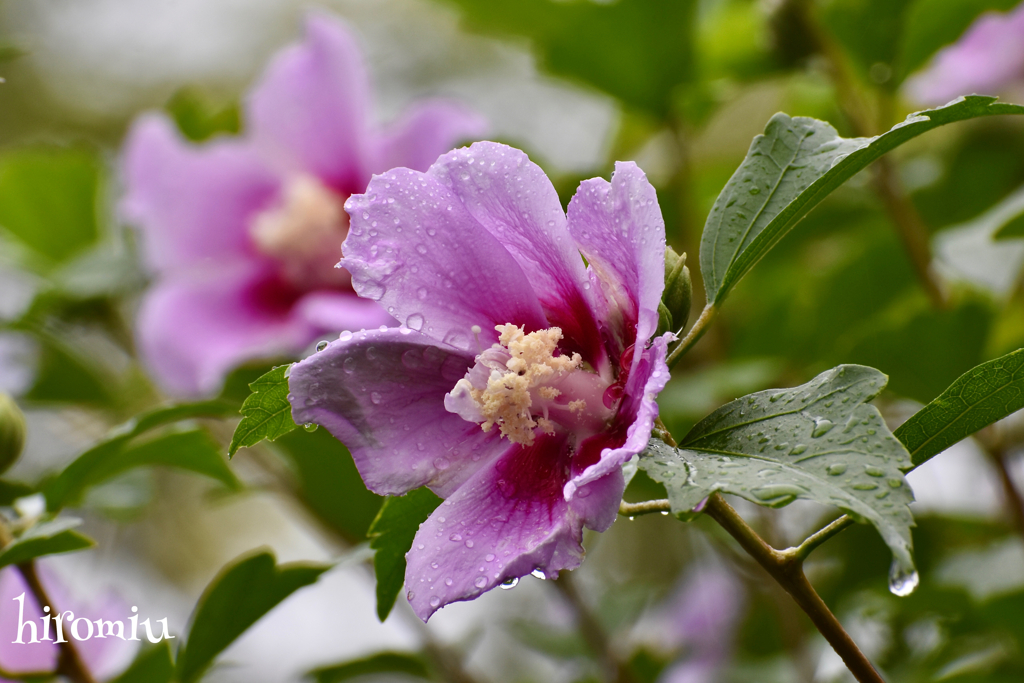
pixel 391 535
pixel 266 414
pixel 198 118
pixel 329 483
pixel 48 199
pixel 639 51
pixel 789 169
pixel 153 665
pixel 1011 229
pixel 112 455
pixel 10 491
pixel 193 450
pixel 235 600
pixel 47 538
pixel 820 441
pixel 380 663
pixel 980 397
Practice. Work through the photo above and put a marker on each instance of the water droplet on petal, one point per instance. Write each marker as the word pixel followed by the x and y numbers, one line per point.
pixel 448 581
pixel 539 574
pixel 409 596
pixel 321 345
pixel 435 601
pixel 441 463
pixel 489 557
pixel 375 398
pixel 481 581
pixel 414 321
pixel 510 583
pixel 455 537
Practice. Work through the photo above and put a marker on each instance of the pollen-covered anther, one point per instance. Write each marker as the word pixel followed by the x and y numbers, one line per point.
pixel 577 406
pixel 519 369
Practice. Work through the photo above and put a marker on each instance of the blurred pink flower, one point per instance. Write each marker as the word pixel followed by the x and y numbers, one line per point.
pixel 104 657
pixel 242 234
pixel 987 59
pixel 522 379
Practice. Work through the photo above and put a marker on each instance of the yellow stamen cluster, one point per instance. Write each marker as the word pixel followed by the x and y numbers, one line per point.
pixel 506 401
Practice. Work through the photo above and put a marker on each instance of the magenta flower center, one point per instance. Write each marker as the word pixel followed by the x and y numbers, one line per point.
pixel 523 383
pixel 304 232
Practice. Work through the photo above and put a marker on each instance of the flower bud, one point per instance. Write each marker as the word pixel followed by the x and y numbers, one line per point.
pixel 12 432
pixel 678 291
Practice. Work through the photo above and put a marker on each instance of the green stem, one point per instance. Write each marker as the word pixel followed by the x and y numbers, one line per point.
pixel 644 508
pixel 817 538
pixel 786 567
pixel 694 335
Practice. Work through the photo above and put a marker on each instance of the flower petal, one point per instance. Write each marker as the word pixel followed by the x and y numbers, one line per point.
pixel 513 199
pixel 381 393
pixel 620 230
pixel 642 389
pixel 987 58
pixel 426 131
pixel 308 113
pixel 194 329
pixel 506 521
pixel 192 203
pixel 413 246
pixel 334 311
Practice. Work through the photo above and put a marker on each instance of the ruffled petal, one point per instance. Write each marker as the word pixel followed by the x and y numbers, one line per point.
pixel 640 402
pixel 381 393
pixel 414 247
pixel 193 330
pixel 513 199
pixel 308 112
pixel 192 203
pixel 620 230
pixel 424 132
pixel 506 521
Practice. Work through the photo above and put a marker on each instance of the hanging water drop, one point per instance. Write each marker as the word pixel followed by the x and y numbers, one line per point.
pixel 310 427
pixel 510 583
pixel 902 580
pixel 539 574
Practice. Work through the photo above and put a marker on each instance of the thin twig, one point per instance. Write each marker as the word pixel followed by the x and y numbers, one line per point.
pixel 694 335
pixel 593 632
pixel 787 570
pixel 810 543
pixel 644 508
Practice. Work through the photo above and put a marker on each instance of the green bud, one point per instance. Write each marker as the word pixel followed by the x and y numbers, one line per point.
pixel 12 432
pixel 678 290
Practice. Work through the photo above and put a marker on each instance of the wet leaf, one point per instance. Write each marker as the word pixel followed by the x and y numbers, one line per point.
pixel 47 538
pixel 789 169
pixel 820 441
pixel 266 414
pixel 391 535
pixel 980 397
pixel 235 600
